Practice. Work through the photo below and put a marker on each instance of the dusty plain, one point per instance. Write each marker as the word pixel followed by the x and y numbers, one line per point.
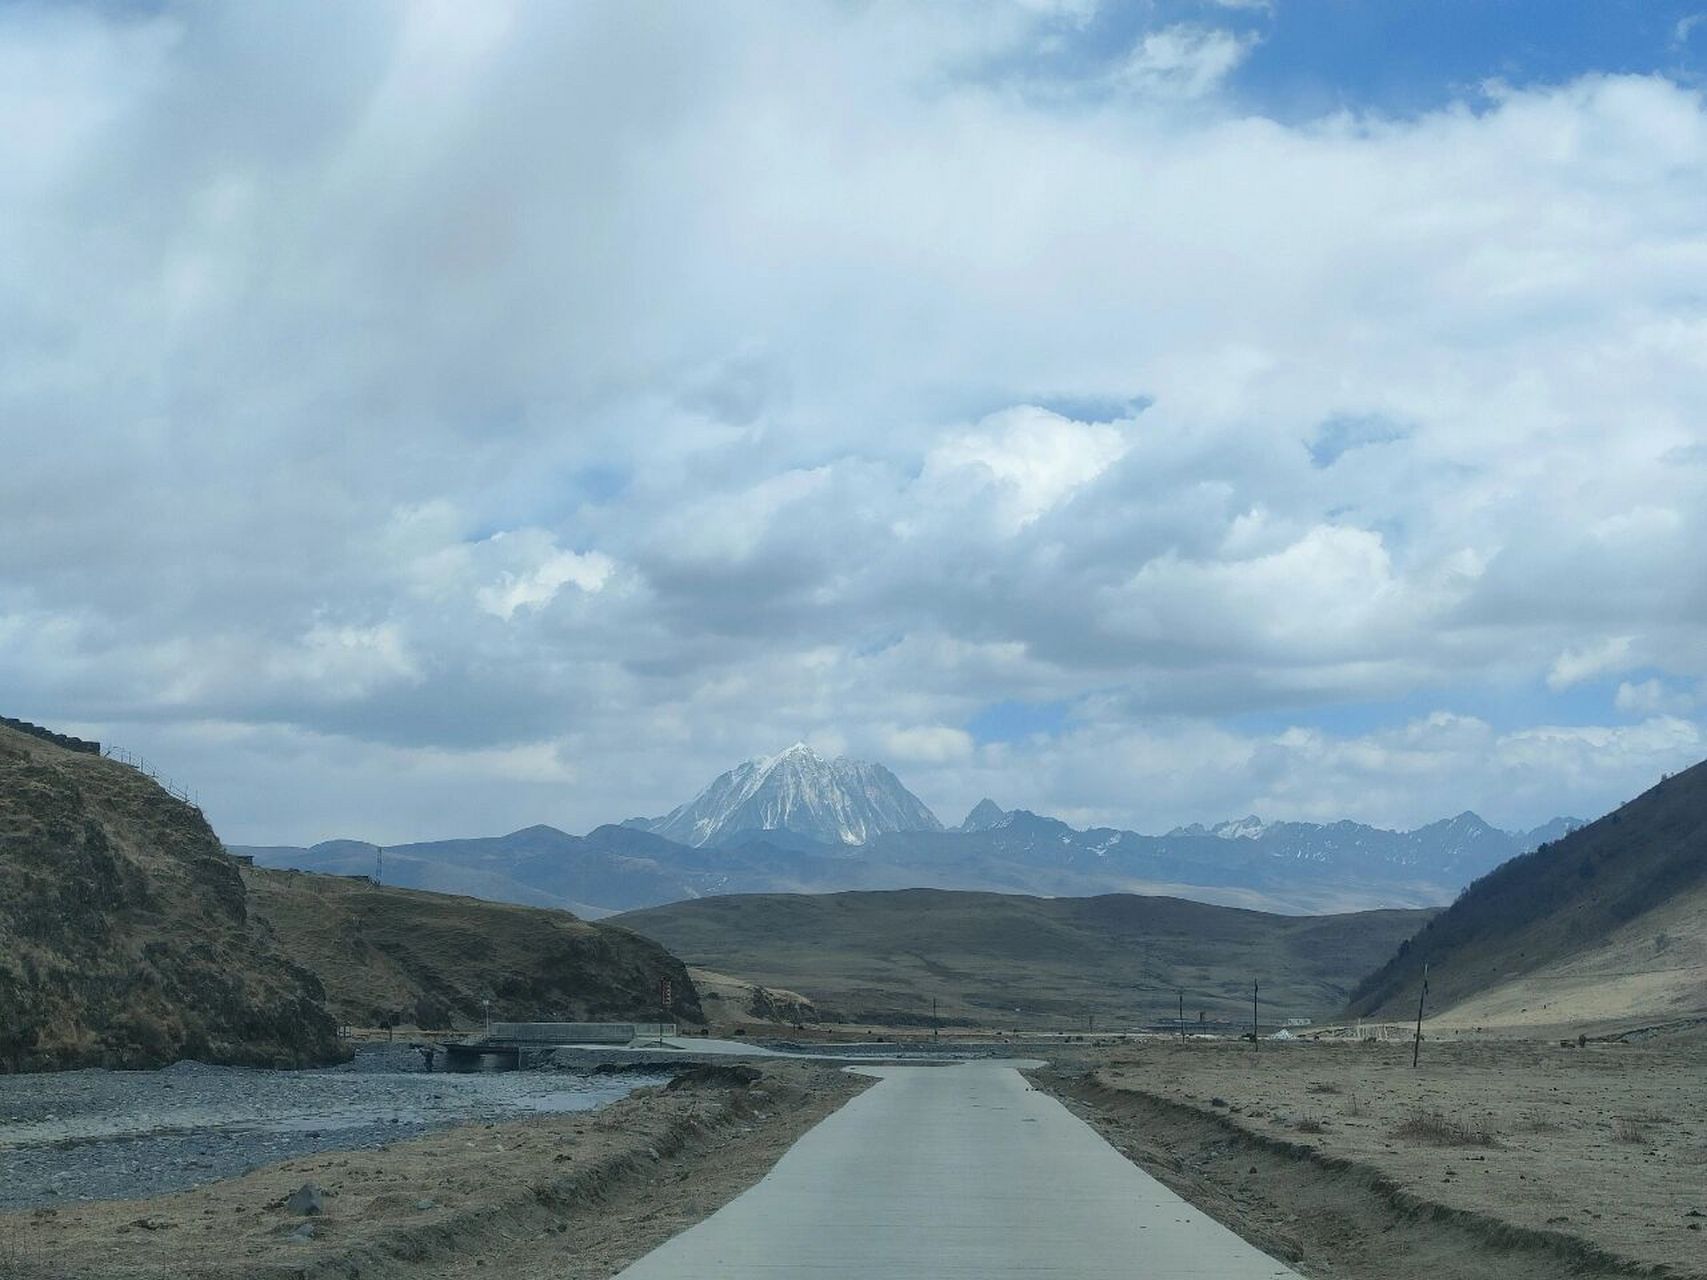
pixel 1511 1157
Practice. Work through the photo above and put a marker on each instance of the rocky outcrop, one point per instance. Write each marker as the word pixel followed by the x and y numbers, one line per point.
pixel 124 932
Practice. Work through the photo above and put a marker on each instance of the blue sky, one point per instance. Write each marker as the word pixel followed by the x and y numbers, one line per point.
pixel 481 415
pixel 1403 57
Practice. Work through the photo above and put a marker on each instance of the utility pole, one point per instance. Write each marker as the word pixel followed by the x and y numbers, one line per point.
pixel 936 1026
pixel 1182 1013
pixel 1417 1045
pixel 1256 1036
pixel 378 865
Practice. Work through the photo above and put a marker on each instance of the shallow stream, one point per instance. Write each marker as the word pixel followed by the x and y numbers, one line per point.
pixel 104 1135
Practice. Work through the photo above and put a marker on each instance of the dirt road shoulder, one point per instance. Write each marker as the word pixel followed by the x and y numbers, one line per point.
pixel 1323 1213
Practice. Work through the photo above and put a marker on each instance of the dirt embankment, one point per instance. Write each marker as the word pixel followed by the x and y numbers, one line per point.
pixel 1527 1160
pixel 564 1196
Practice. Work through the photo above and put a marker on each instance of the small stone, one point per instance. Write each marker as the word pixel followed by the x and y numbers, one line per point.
pixel 302 1234
pixel 305 1201
pixel 424 1205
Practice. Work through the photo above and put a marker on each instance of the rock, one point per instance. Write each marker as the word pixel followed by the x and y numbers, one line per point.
pixel 306 1201
pixel 302 1234
pixel 715 1076
pixel 424 1205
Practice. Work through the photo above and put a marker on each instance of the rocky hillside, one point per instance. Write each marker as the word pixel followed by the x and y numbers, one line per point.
pixel 125 938
pixel 404 957
pixel 1608 922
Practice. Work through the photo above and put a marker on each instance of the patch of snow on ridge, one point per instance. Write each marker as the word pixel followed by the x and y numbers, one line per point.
pixel 1246 828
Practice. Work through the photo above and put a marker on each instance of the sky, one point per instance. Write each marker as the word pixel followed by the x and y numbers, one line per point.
pixel 430 419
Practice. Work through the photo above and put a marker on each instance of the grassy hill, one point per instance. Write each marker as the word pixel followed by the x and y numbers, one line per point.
pixel 1608 923
pixel 882 956
pixel 124 932
pixel 429 959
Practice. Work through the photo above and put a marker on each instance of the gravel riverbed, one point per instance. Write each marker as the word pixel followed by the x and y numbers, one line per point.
pixel 103 1135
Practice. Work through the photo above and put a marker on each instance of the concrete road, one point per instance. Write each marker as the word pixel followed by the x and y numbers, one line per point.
pixel 956 1173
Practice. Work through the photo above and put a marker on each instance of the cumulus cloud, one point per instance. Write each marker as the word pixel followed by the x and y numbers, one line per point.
pixel 601 401
pixel 1024 461
pixel 1576 665
pixel 538 585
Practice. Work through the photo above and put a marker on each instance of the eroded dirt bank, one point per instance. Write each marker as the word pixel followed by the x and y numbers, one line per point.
pixel 1517 1159
pixel 577 1195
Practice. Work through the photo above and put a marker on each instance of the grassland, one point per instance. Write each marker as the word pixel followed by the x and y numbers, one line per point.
pixel 1010 960
pixel 1518 1158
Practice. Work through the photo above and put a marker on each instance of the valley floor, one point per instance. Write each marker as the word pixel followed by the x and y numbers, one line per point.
pixel 1342 1159
pixel 569 1195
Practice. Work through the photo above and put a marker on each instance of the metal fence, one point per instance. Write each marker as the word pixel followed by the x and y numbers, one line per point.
pixel 134 761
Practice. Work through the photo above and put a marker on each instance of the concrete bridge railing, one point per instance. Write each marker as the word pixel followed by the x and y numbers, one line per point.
pixel 569 1033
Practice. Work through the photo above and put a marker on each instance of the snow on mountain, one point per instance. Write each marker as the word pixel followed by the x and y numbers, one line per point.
pixel 1250 827
pixel 1457 848
pixel 838 801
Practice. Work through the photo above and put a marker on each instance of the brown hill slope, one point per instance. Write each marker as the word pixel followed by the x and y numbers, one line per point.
pixel 1609 922
pixel 882 956
pixel 406 956
pixel 124 934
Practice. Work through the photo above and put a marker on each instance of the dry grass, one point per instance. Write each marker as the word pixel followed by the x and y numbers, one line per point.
pixel 1538 1121
pixel 17 1262
pixel 1323 1086
pixel 1006 960
pixel 1630 1129
pixel 1445 1130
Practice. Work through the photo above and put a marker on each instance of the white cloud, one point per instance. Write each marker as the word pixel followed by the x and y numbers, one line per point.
pixel 1654 697
pixel 652 395
pixel 928 744
pixel 1573 666
pixel 1183 61
pixel 537 586
pixel 1027 459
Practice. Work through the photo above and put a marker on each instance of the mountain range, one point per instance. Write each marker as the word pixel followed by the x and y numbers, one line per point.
pixel 798 823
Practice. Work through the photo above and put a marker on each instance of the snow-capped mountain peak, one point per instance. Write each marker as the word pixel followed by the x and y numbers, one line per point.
pixel 838 801
pixel 1249 827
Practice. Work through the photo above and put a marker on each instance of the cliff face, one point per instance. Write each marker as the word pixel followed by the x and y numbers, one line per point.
pixel 124 931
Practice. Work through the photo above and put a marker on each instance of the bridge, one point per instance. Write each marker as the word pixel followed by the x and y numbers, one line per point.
pixel 506 1045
